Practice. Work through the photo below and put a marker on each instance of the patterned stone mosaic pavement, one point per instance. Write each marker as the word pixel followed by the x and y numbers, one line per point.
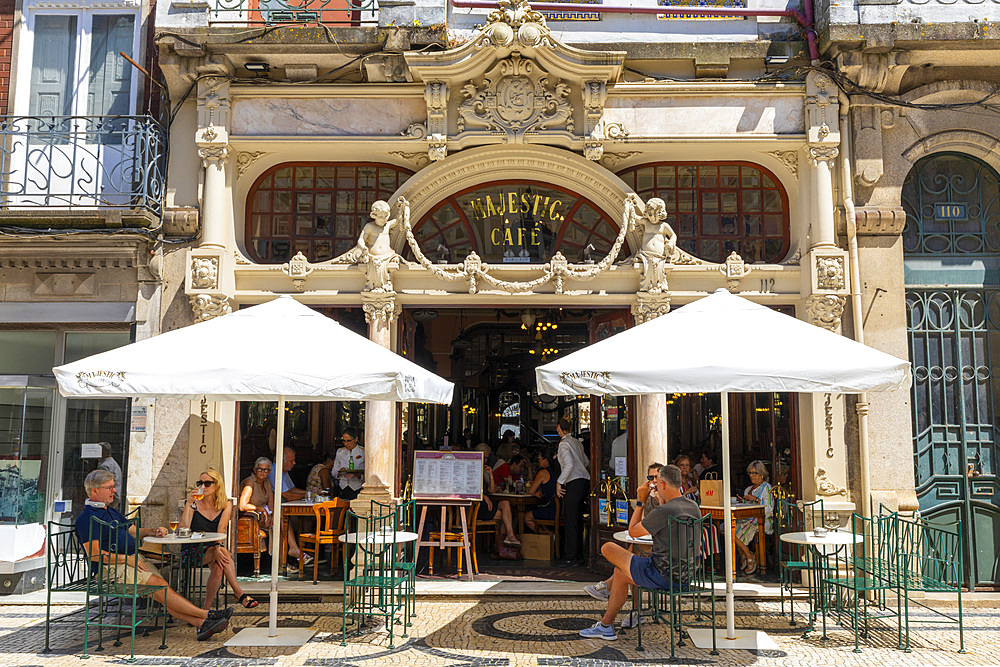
pixel 505 632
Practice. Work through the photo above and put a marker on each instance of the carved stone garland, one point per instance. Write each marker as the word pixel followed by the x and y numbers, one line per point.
pixel 474 270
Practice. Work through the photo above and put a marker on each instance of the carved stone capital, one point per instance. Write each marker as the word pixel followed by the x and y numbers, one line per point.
pixel 819 154
pixel 382 306
pixel 825 310
pixel 213 154
pixel 207 306
pixel 649 306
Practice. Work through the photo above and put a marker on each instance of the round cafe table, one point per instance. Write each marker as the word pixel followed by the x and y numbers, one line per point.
pixel 183 581
pixel 518 501
pixel 822 547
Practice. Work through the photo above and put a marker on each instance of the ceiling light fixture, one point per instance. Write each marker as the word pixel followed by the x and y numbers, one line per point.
pixel 257 67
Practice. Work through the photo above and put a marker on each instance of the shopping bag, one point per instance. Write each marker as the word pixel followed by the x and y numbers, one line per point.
pixel 711 490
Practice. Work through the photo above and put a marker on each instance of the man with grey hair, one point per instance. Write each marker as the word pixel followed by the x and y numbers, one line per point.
pixel 667 557
pixel 127 566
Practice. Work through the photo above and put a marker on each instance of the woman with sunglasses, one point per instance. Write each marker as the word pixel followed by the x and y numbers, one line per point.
pixel 209 511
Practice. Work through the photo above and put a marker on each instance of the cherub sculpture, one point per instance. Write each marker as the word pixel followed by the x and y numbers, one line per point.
pixel 658 241
pixel 375 247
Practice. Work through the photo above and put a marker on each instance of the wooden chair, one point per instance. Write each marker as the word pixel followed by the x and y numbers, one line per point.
pixel 248 539
pixel 453 533
pixel 491 528
pixel 330 518
pixel 555 523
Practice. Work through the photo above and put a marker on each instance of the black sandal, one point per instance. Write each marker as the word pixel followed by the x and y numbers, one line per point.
pixel 250 601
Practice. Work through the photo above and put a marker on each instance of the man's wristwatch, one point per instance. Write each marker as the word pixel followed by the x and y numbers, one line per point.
pixel 638 503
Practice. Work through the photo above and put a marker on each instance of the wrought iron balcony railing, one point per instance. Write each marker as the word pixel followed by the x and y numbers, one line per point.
pixel 82 162
pixel 270 12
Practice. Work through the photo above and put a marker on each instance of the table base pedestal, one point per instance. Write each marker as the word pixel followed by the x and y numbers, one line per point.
pixel 745 639
pixel 259 637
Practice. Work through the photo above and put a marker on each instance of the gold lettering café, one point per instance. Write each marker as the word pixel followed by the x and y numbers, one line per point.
pixel 517 200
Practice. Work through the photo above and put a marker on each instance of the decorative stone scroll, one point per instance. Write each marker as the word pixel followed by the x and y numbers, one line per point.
pixel 826 486
pixel 735 269
pixel 825 310
pixel 208 306
pixel 298 268
pixel 246 158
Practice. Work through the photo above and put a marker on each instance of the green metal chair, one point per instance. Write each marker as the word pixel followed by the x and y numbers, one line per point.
pixel 930 560
pixel 858 580
pixel 406 560
pixel 692 576
pixel 374 587
pixel 793 516
pixel 67 569
pixel 109 581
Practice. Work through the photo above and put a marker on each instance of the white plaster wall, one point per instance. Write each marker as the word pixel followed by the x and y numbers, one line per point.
pixel 701 115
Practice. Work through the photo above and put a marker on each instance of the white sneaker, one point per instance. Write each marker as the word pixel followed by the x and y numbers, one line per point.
pixel 598 591
pixel 631 621
pixel 512 542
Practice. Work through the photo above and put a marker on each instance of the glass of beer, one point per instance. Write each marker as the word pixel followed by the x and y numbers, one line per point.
pixel 173 526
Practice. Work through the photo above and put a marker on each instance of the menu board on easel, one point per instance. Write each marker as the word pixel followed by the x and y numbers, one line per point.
pixel 448 476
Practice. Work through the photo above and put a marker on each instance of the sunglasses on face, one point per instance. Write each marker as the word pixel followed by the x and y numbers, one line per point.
pixel 651 478
pixel 202 482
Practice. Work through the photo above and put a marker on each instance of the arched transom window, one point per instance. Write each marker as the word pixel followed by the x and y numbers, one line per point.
pixel 717 208
pixel 516 221
pixel 952 204
pixel 316 208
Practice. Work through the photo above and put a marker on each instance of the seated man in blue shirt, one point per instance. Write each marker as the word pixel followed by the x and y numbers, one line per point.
pixel 289 492
pixel 100 488
pixel 672 562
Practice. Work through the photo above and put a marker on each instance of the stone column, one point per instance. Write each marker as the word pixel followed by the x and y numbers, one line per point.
pixel 381 311
pixel 212 138
pixel 823 132
pixel 651 420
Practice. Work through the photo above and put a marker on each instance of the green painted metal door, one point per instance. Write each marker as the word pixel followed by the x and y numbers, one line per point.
pixel 952 266
pixel 955 347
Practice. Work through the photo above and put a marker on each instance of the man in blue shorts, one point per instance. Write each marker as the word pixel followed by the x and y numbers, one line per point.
pixel 666 567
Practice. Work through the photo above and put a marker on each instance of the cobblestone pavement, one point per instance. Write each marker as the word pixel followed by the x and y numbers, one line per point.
pixel 501 632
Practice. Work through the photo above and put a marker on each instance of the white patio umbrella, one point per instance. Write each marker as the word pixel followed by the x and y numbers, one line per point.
pixel 723 343
pixel 277 351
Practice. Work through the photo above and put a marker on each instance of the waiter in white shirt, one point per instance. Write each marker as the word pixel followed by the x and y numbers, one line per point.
pixel 573 486
pixel 349 466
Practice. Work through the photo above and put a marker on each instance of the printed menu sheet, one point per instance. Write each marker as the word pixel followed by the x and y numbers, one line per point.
pixel 448 475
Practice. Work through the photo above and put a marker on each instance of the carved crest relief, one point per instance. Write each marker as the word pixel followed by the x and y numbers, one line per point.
pixel 515 98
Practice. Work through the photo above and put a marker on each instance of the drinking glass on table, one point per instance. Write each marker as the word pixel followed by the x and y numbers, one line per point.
pixel 173 526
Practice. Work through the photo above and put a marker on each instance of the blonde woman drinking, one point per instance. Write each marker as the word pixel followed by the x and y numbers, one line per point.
pixel 209 511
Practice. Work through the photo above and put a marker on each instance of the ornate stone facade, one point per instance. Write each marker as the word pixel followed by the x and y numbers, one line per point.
pixel 207 306
pixel 825 310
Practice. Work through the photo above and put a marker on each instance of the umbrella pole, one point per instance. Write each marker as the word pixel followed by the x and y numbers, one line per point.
pixel 727 513
pixel 276 536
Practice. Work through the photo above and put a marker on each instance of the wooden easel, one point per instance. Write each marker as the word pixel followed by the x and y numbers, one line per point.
pixel 462 505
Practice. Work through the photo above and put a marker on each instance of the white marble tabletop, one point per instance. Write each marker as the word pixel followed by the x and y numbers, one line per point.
pixel 832 538
pixel 194 538
pixel 623 536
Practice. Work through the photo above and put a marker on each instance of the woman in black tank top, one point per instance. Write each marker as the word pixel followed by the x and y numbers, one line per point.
pixel 208 511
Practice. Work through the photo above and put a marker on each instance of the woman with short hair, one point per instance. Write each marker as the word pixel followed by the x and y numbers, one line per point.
pixel 759 492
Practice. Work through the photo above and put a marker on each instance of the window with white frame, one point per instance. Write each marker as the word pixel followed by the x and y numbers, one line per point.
pixel 75 67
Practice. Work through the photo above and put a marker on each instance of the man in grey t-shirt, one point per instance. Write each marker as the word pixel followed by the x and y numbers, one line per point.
pixel 673 555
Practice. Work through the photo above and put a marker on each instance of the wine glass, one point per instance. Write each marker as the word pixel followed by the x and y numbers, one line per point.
pixel 173 526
